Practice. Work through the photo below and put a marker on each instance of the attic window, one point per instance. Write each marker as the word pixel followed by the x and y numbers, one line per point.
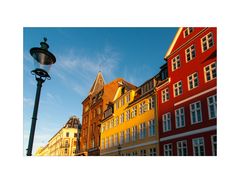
pixel 123 90
pixel 187 31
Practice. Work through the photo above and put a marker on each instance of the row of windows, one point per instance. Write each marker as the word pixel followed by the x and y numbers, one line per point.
pixel 131 113
pixel 195 114
pixel 210 72
pixel 190 53
pixel 143 152
pixel 198 146
pixel 129 135
pixel 121 102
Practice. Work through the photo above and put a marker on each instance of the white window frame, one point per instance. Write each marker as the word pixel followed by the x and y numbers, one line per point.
pixel 176 64
pixel 177 88
pixel 110 141
pixel 151 128
pixel 179 115
pixel 167 148
pixel 128 98
pixel 198 145
pixel 106 143
pixel 153 151
pixel 207 41
pixel 193 81
pixel 116 120
pixel 116 139
pixel 142 107
pixel 122 118
pixel 134 111
pixel 151 103
pixel 103 144
pixel 181 148
pixel 143 152
pixel 189 30
pixel 127 115
pixel 166 121
pixel 210 71
pixel 143 131
pixel 127 140
pixel 134 133
pixel 190 52
pixel 214 105
pixel 165 95
pixel 214 152
pixel 195 110
pixel 121 137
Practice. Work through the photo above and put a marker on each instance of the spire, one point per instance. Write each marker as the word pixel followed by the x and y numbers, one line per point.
pixel 98 84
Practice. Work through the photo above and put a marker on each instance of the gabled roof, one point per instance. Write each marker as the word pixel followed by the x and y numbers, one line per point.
pixel 173 43
pixel 98 84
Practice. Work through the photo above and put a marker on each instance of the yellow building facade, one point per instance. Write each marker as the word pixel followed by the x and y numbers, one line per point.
pixel 130 124
pixel 64 142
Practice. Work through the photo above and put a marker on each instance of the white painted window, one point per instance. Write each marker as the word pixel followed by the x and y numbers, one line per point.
pixel 177 87
pixel 110 141
pixel 166 119
pixel 142 108
pixel 127 115
pixel 198 147
pixel 165 95
pixel 116 139
pixel 143 131
pixel 187 31
pixel 151 128
pixel 143 152
pixel 134 111
pixel 152 151
pixel 180 117
pixel 117 105
pixel 106 143
pixel 214 145
pixel 212 106
pixel 112 123
pixel 103 143
pixel 116 120
pixel 167 149
pixel 196 112
pixel 127 135
pixel 210 72
pixel 122 118
pixel 176 63
pixel 190 53
pixel 193 81
pixel 182 148
pixel 122 102
pixel 128 98
pixel 207 42
pixel 121 137
pixel 134 133
pixel 103 128
pixel 151 103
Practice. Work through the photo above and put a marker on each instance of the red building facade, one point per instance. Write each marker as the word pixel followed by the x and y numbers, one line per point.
pixel 187 100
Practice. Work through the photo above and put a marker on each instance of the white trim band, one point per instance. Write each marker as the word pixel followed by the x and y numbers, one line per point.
pixel 194 96
pixel 131 147
pixel 198 131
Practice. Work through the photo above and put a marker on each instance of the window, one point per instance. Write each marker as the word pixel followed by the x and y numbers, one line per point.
pixel 151 128
pixel 152 151
pixel 134 153
pixel 75 135
pixel 198 147
pixel 167 149
pixel 165 95
pixel 196 112
pixel 67 134
pixel 212 106
pixel 143 152
pixel 128 98
pixel 175 63
pixel 166 119
pixel 180 117
pixel 142 108
pixel 116 120
pixel 106 145
pixel 121 137
pixel 116 139
pixel 102 143
pixel 134 111
pixel 207 42
pixel 177 88
pixel 112 123
pixel 127 115
pixel 214 145
pixel 117 105
pixel 127 135
pixel 187 31
pixel 134 133
pixel 182 148
pixel 210 72
pixel 122 102
pixel 111 141
pixel 122 118
pixel 142 131
pixel 192 81
pixel 93 143
pixel 190 53
pixel 151 103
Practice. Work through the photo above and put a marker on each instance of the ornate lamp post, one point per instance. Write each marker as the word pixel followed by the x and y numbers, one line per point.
pixel 43 59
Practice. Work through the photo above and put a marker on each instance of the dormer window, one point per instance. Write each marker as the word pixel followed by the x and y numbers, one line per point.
pixel 187 31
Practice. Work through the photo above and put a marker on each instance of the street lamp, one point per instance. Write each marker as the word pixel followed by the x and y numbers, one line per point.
pixel 43 59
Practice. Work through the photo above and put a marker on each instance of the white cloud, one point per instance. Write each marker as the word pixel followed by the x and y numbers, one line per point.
pixel 28 101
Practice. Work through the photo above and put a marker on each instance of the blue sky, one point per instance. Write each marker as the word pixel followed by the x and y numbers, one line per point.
pixel 134 54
